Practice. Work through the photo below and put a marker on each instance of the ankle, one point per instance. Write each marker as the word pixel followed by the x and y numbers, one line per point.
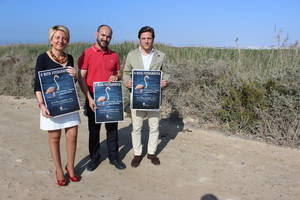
pixel 59 175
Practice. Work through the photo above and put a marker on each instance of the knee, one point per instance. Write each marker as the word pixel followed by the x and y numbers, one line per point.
pixel 111 128
pixel 54 139
pixel 72 138
pixel 136 129
pixel 154 127
pixel 94 136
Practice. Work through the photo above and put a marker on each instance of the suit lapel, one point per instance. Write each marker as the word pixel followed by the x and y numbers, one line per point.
pixel 154 60
pixel 139 60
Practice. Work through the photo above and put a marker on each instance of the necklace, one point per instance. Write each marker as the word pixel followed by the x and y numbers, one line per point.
pixel 60 61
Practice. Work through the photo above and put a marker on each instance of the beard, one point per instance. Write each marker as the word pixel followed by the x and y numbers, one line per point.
pixel 102 44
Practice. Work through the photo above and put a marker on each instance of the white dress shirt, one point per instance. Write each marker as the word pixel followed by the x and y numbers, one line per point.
pixel 147 59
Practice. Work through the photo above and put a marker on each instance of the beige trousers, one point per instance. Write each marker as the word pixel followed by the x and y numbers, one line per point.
pixel 137 117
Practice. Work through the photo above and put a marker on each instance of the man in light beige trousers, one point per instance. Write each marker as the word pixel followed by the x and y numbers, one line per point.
pixel 146 58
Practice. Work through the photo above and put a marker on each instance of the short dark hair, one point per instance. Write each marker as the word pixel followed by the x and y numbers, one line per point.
pixel 146 29
pixel 99 27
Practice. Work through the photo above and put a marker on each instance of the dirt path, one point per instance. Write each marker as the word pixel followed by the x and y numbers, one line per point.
pixel 194 164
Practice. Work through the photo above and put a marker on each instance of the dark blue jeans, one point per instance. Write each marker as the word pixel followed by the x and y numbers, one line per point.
pixel 94 137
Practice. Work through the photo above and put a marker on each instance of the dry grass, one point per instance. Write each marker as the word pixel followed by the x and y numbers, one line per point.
pixel 250 92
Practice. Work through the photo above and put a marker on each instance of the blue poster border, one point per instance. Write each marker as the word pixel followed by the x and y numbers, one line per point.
pixel 119 118
pixel 53 72
pixel 133 91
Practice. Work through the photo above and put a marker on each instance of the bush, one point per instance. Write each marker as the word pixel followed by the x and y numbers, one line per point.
pixel 240 105
pixel 250 92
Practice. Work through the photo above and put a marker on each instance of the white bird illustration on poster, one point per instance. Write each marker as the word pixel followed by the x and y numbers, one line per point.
pixel 53 89
pixel 141 87
pixel 104 98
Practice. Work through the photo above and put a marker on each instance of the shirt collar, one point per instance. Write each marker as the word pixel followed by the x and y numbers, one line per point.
pixel 151 52
pixel 97 49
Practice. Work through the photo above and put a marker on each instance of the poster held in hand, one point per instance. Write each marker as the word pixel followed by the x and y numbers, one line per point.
pixel 109 101
pixel 146 90
pixel 59 91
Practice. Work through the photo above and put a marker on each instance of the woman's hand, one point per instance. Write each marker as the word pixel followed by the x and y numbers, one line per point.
pixel 72 71
pixel 44 110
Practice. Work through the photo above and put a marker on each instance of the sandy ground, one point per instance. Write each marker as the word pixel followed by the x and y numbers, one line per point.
pixel 195 163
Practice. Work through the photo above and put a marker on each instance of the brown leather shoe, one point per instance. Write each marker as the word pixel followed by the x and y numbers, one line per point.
pixel 154 159
pixel 136 161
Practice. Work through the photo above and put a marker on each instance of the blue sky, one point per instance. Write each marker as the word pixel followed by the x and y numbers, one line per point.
pixel 178 23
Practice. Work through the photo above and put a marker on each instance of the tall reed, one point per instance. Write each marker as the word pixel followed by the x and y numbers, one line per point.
pixel 245 91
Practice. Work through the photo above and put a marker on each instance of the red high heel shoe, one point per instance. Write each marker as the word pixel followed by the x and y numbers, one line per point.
pixel 72 178
pixel 62 182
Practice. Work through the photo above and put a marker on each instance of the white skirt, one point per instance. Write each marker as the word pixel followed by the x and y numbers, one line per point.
pixel 65 121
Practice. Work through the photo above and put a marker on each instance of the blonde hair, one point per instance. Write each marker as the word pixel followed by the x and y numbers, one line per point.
pixel 62 28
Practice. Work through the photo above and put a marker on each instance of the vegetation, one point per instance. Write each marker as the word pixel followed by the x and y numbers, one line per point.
pixel 250 92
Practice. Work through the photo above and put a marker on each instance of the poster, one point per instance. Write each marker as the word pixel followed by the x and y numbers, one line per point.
pixel 109 100
pixel 59 91
pixel 146 90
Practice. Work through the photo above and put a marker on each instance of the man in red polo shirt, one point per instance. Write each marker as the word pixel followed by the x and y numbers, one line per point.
pixel 99 63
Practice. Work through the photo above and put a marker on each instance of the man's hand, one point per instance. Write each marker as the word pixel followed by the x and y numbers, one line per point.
pixel 164 83
pixel 113 78
pixel 92 104
pixel 128 84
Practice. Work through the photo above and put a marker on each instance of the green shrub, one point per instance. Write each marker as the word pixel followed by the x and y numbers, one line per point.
pixel 253 92
pixel 240 105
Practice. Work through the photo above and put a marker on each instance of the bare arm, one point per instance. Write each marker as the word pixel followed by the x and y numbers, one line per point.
pixel 41 104
pixel 84 88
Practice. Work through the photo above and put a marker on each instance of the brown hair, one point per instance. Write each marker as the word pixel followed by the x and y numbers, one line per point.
pixel 146 29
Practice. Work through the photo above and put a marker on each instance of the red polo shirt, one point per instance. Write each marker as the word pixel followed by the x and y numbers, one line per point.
pixel 99 65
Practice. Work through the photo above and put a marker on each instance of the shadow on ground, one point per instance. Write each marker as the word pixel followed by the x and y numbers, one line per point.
pixel 168 129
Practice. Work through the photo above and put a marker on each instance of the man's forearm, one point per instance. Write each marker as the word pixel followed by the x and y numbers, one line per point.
pixel 83 86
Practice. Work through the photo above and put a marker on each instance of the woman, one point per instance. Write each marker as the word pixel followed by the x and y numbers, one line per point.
pixel 55 57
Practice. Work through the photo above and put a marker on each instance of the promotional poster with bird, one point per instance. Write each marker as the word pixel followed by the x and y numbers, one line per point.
pixel 109 100
pixel 146 89
pixel 59 92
